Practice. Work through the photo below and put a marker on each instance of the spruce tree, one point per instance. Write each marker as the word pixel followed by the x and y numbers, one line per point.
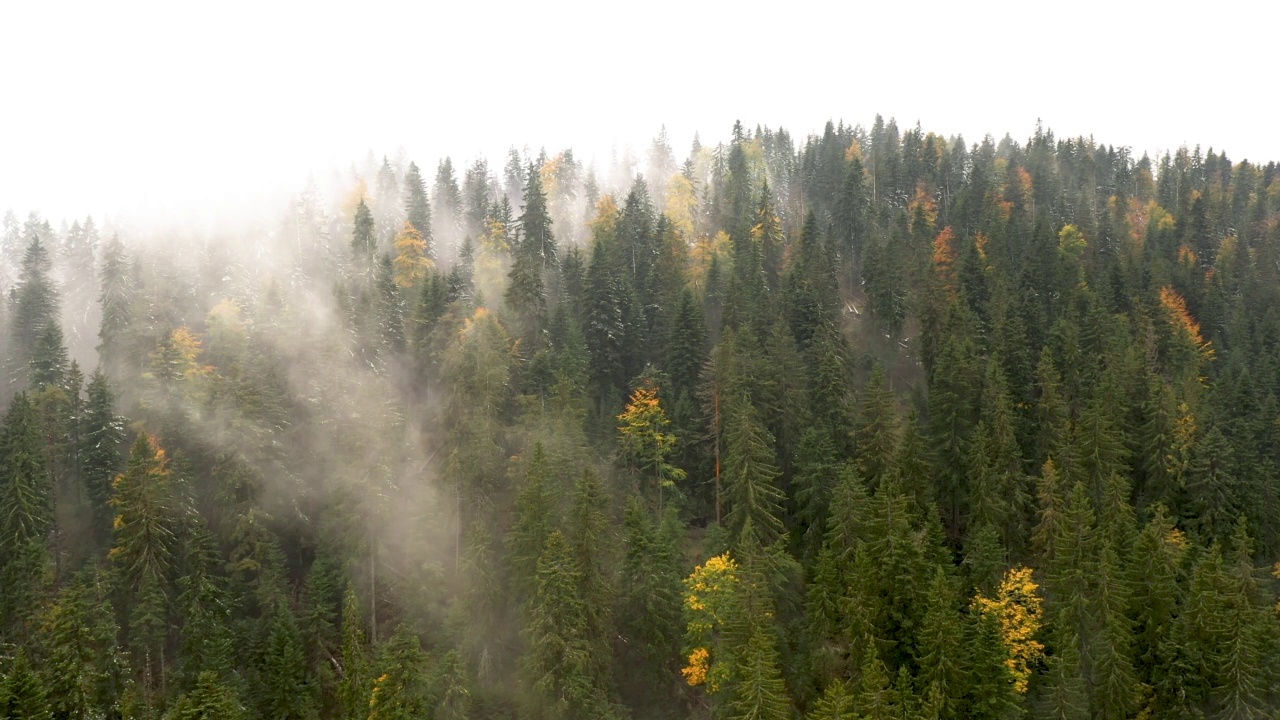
pixel 750 479
pixel 116 298
pixel 101 435
pixel 26 502
pixel 78 637
pixel 558 660
pixel 363 242
pixel 760 693
pixel 285 689
pixel 35 306
pixel 22 693
pixel 143 552
pixel 211 699
pixel 416 208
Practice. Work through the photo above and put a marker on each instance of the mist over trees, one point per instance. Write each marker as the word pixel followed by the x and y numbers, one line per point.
pixel 872 423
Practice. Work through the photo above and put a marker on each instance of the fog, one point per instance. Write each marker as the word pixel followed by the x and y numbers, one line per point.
pixel 145 108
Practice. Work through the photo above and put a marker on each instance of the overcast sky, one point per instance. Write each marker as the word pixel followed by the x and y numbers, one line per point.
pixel 144 107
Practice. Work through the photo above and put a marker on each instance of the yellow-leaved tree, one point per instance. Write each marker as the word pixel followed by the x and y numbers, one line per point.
pixel 712 589
pixel 1016 608
pixel 411 263
pixel 644 441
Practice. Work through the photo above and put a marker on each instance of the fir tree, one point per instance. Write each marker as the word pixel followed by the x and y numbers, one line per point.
pixel 101 435
pixel 210 699
pixel 363 242
pixel 750 474
pixel 35 307
pixel 22 694
pixel 26 502
pixel 416 208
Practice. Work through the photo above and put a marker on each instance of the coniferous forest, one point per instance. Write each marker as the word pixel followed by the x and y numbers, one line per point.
pixel 870 424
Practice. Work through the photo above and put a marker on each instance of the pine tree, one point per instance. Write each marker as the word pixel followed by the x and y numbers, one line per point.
pixel 760 693
pixel 26 503
pixel 992 694
pixel 48 366
pixel 143 551
pixel 812 482
pixel 356 682
pixel 35 306
pixel 101 437
pixel 557 663
pixel 588 533
pixel 78 635
pixel 22 694
pixel 847 521
pixel 940 648
pixel 1113 681
pixel 416 208
pixel 116 298
pixel 211 699
pixel 535 519
pixel 363 242
pixel 204 640
pixel 877 435
pixel 1065 697
pixel 836 703
pixel 1211 487
pixel 1050 501
pixel 686 348
pixel 285 689
pixel 1154 600
pixel 649 593
pixel 1052 421
pixel 755 503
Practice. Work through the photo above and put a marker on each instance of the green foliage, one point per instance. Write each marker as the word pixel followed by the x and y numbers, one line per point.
pixel 1067 376
pixel 363 242
pixel 750 473
pixel 26 503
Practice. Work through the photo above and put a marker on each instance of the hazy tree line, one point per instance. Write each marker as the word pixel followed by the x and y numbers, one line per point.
pixel 873 424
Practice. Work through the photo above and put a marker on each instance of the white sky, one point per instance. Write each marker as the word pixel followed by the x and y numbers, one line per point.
pixel 147 107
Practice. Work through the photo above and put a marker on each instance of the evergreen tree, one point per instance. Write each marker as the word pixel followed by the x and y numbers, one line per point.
pixel 940 649
pixel 101 435
pixel 26 502
pixel 558 661
pixel 755 503
pixel 416 208
pixel 80 657
pixel 836 703
pixel 648 610
pixel 143 552
pixel 22 694
pixel 356 682
pixel 363 242
pixel 760 692
pixel 211 699
pixel 535 519
pixel 116 298
pixel 49 358
pixel 285 691
pixel 35 307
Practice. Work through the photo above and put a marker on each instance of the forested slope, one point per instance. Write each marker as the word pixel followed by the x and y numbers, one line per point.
pixel 877 424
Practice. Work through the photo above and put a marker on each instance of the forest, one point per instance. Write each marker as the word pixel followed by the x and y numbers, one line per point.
pixel 873 424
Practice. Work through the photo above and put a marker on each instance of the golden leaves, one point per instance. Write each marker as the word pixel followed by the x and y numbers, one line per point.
pixel 695 673
pixel 681 205
pixel 1176 311
pixel 944 259
pixel 1017 609
pixel 605 224
pixel 1071 241
pixel 711 587
pixel 411 262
